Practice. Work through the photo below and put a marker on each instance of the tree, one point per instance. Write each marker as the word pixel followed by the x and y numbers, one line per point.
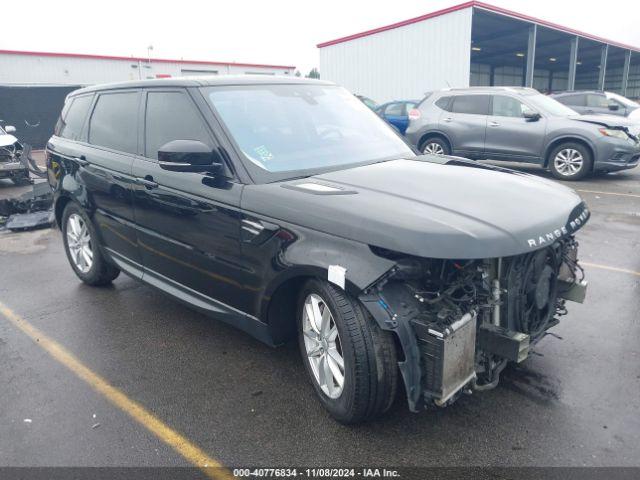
pixel 298 73
pixel 314 73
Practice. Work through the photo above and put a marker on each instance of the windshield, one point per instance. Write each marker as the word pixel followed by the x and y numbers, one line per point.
pixel 550 106
pixel 296 130
pixel 623 100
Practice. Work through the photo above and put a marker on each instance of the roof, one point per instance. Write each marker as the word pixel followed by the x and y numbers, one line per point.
pixel 138 59
pixel 483 6
pixel 205 81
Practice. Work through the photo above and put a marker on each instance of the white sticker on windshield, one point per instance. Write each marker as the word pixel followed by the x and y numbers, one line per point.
pixel 337 275
pixel 264 153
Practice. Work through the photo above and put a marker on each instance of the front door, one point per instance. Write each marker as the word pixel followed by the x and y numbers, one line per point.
pixel 510 136
pixel 189 223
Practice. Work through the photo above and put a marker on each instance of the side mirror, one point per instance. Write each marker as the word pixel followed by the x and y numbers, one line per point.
pixel 190 156
pixel 614 107
pixel 10 129
pixel 531 116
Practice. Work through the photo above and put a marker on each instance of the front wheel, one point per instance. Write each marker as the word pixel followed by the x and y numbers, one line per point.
pixel 82 247
pixel 351 362
pixel 570 161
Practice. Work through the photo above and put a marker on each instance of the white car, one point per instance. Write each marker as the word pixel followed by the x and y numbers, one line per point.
pixel 11 165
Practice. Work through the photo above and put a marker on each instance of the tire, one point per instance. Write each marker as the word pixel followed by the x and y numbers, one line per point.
pixel 435 146
pixel 570 161
pixel 370 370
pixel 77 225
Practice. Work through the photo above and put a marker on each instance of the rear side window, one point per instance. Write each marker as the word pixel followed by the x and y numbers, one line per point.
pixel 114 122
pixel 72 118
pixel 444 103
pixel 471 104
pixel 172 116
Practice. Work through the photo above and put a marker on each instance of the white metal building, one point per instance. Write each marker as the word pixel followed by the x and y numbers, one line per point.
pixel 17 67
pixel 476 44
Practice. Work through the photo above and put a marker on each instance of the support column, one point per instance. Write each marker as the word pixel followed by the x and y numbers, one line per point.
pixel 531 56
pixel 603 67
pixel 573 63
pixel 625 72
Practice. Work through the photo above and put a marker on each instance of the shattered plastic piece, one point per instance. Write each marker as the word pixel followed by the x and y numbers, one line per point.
pixel 95 425
pixel 27 420
pixel 30 221
pixel 337 275
pixel 38 198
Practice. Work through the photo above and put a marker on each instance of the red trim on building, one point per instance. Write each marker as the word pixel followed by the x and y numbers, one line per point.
pixel 139 59
pixel 483 6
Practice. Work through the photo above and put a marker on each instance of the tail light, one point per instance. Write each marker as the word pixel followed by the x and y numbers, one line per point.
pixel 414 114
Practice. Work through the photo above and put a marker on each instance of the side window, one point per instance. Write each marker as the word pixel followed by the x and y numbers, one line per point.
pixel 172 116
pixel 597 101
pixel 444 103
pixel 471 104
pixel 114 122
pixel 395 109
pixel 573 100
pixel 72 118
pixel 508 107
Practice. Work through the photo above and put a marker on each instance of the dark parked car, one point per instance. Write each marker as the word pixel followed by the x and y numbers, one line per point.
pixel 287 208
pixel 11 165
pixel 397 113
pixel 598 102
pixel 522 125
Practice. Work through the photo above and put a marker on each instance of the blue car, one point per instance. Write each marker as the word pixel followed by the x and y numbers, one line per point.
pixel 397 113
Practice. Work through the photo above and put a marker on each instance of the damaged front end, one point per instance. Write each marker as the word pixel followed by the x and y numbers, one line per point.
pixel 459 322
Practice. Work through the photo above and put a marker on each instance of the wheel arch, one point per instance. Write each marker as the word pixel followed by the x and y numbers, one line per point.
pixel 434 134
pixel 569 139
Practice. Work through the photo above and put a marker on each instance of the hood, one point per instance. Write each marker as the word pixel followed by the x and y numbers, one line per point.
pixel 605 120
pixel 6 140
pixel 437 209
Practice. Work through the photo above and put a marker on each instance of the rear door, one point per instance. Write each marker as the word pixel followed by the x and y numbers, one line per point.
pixel 396 114
pixel 510 136
pixel 465 123
pixel 189 223
pixel 105 162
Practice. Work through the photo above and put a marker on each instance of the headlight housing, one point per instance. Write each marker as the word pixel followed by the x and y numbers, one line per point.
pixel 612 132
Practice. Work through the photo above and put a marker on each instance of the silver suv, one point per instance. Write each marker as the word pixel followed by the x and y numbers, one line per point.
pixel 522 125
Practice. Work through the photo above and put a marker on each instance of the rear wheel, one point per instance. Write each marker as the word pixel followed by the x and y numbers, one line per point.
pixel 570 161
pixel 83 250
pixel 436 146
pixel 351 362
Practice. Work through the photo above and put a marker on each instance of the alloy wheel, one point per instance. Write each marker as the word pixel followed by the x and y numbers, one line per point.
pixel 322 345
pixel 79 243
pixel 568 162
pixel 433 148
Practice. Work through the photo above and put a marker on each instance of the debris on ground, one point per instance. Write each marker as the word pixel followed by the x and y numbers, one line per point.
pixel 27 420
pixel 28 211
pixel 95 425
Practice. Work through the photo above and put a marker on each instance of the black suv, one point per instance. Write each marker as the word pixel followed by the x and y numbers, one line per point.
pixel 290 210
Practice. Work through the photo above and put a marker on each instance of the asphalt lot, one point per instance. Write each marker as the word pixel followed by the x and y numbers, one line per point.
pixel 575 404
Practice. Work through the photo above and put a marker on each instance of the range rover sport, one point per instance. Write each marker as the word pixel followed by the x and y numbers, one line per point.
pixel 287 208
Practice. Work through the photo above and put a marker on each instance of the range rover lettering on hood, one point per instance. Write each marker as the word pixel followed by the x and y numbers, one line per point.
pixel 574 224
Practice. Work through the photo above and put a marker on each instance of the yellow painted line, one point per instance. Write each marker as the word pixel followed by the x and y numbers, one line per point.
pixel 192 453
pixel 610 193
pixel 607 267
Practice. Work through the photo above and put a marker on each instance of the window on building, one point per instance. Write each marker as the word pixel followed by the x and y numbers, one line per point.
pixel 172 116
pixel 114 122
pixel 471 104
pixel 72 120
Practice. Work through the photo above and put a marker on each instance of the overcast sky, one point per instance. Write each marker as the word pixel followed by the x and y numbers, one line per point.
pixel 275 32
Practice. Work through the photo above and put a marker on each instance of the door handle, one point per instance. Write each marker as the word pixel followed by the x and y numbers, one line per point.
pixel 494 124
pixel 147 182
